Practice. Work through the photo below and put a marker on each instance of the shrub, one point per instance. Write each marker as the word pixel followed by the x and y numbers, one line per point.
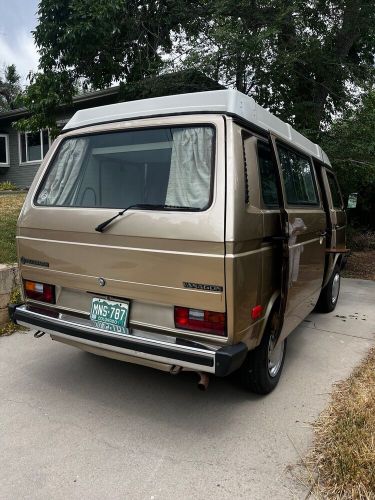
pixel 8 186
pixel 360 241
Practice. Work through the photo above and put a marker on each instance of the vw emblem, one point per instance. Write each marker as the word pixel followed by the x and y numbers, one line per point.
pixel 101 281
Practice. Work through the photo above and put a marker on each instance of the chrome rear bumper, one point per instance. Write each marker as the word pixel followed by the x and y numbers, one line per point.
pixel 171 351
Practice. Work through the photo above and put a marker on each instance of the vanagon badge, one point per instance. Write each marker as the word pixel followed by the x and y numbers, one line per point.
pixel 203 286
pixel 33 262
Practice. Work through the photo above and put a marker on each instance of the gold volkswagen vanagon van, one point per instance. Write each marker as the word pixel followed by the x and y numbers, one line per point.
pixel 189 232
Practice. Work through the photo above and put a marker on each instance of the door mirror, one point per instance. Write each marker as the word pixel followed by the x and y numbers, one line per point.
pixel 352 200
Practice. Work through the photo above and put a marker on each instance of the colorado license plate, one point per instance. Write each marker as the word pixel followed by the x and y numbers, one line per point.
pixel 109 312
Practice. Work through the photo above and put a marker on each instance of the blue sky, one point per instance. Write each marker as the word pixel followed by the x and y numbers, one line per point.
pixel 17 19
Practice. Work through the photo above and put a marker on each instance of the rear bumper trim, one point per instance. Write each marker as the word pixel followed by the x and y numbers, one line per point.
pixel 221 361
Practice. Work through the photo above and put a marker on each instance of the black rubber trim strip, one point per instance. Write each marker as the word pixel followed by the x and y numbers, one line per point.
pixel 229 359
pixel 120 342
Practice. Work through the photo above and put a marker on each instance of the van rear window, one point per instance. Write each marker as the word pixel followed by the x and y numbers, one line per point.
pixel 158 166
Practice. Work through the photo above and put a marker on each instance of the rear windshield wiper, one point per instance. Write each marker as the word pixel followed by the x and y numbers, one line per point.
pixel 143 206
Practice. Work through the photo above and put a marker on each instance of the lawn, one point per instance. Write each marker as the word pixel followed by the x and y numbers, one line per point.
pixel 10 206
pixel 343 457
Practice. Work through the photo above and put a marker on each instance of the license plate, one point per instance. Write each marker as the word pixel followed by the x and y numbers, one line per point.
pixel 109 312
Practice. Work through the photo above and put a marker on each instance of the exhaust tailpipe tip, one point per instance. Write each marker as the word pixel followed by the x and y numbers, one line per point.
pixel 175 370
pixel 203 382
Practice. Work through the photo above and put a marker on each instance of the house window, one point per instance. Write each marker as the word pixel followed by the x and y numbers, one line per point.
pixel 34 146
pixel 4 149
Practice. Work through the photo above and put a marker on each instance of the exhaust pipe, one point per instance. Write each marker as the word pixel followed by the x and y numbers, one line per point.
pixel 203 381
pixel 175 370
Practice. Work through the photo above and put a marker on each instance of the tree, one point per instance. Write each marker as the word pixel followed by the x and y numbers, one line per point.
pixel 95 44
pixel 303 60
pixel 10 89
pixel 350 144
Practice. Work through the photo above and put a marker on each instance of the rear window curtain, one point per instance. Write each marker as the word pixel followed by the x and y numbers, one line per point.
pixel 64 174
pixel 191 163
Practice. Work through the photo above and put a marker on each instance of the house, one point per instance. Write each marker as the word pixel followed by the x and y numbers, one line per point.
pixel 21 153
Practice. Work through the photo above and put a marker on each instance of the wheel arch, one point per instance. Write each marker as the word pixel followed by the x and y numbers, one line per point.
pixel 338 259
pixel 272 304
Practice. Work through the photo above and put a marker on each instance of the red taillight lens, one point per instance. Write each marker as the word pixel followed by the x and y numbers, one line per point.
pixel 39 291
pixel 200 321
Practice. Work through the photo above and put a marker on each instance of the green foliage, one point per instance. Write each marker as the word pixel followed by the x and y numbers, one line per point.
pixel 180 82
pixel 46 92
pixel 92 44
pixel 10 207
pixel 350 144
pixel 16 296
pixel 10 89
pixel 300 59
pixel 8 186
pixel 360 241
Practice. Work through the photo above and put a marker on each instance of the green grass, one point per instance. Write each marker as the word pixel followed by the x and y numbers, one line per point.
pixel 10 206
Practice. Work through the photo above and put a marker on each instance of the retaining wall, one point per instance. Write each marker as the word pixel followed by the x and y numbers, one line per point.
pixel 9 278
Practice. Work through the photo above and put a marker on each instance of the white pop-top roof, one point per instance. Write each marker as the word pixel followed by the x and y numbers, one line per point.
pixel 217 101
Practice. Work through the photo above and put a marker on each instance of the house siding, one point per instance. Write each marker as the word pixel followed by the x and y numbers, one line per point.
pixel 22 175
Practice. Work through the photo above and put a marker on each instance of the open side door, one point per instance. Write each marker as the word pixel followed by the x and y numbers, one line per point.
pixel 303 234
pixel 283 238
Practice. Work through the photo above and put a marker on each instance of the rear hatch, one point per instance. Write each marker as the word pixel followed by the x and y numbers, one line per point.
pixel 168 252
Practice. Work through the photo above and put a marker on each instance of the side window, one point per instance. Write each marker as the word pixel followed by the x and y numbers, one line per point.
pixel 245 136
pixel 335 191
pixel 298 177
pixel 268 175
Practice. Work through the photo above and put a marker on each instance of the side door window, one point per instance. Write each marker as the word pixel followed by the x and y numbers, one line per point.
pixel 335 191
pixel 299 182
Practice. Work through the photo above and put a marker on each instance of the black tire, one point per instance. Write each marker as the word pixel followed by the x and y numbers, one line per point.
pixel 329 296
pixel 255 373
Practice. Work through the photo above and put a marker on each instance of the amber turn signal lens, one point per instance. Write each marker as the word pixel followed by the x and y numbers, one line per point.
pixel 39 291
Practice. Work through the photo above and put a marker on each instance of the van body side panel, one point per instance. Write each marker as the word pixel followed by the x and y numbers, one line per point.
pixel 154 259
pixel 306 267
pixel 341 229
pixel 244 238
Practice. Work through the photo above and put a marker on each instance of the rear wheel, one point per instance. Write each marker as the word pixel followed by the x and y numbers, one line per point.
pixel 330 294
pixel 261 371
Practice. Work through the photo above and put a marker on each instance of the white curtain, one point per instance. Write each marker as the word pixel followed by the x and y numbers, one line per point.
pixel 191 163
pixel 63 176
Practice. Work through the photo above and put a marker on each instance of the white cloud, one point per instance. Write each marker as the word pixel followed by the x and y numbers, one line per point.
pixel 21 51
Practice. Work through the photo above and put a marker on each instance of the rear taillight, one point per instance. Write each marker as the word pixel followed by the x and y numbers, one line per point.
pixel 39 291
pixel 197 320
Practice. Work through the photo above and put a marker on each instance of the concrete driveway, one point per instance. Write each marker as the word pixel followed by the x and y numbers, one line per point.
pixel 73 425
